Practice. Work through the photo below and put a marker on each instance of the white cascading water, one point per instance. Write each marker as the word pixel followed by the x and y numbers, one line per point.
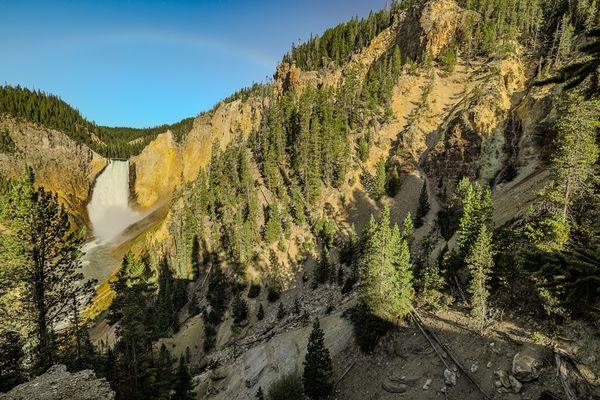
pixel 109 209
pixel 110 215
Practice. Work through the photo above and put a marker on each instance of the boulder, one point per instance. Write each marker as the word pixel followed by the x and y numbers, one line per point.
pixel 219 373
pixel 449 377
pixel 59 384
pixel 526 367
pixel 515 384
pixel 503 378
pixel 394 386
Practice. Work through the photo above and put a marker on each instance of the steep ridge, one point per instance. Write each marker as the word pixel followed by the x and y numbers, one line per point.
pixel 162 166
pixel 445 125
pixel 61 165
pixel 480 119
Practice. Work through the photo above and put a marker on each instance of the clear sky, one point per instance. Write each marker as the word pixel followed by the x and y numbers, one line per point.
pixel 144 63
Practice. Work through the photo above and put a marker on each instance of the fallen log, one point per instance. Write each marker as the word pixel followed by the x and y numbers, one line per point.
pixel 431 343
pixel 344 374
pixel 561 372
pixel 454 359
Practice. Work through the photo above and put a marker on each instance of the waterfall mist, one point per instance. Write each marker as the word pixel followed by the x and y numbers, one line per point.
pixel 109 209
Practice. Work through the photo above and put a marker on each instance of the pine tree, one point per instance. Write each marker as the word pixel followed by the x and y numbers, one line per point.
pixel 297 307
pixel 480 263
pixel 259 394
pixel 576 73
pixel 281 311
pixel 568 280
pixel 408 227
pixel 396 62
pixel 393 183
pixel 380 180
pixel 11 363
pixel 164 373
pixel 323 268
pixel 183 383
pixel 134 308
pixel 261 312
pixel 385 288
pixel 42 261
pixel 576 151
pixel 239 309
pixel 317 366
pixel 477 208
pixel 565 40
pixel 273 226
pixel 423 207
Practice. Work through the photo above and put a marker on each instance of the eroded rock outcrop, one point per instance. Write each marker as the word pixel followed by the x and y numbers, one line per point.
pixel 164 163
pixel 59 384
pixel 60 164
pixel 430 28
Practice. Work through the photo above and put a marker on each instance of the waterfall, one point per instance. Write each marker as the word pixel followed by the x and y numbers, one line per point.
pixel 109 209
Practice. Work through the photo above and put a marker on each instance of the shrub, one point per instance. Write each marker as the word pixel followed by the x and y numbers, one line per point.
pixel 239 309
pixel 261 312
pixel 210 336
pixel 273 293
pixel 281 311
pixel 288 387
pixel 254 291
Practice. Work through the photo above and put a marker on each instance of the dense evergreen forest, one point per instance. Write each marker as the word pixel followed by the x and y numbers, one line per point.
pixel 52 112
pixel 245 205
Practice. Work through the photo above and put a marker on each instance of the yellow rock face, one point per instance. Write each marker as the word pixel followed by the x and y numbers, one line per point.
pixel 158 170
pixel 161 166
pixel 60 164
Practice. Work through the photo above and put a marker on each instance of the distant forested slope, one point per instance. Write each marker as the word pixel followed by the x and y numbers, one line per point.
pixel 52 112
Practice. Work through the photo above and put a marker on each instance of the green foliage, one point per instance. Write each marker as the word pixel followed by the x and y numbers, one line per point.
pixel 408 228
pixel 448 58
pixel 7 145
pixel 281 311
pixel 323 269
pixel 194 307
pixel 134 373
pixel 12 370
pixel 325 229
pixel 572 179
pixel 569 280
pixel 364 146
pixel 431 287
pixel 210 337
pixel 183 383
pixel 239 309
pixel 261 312
pixel 385 286
pixel 336 45
pixel 41 265
pixel 423 207
pixel 380 180
pixel 318 371
pixel 393 182
pixel 52 112
pixel 480 263
pixel 254 290
pixel 288 387
pixel 273 226
pixel 477 208
pixel 217 296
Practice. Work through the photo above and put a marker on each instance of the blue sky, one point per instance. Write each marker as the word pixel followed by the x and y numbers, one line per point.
pixel 144 63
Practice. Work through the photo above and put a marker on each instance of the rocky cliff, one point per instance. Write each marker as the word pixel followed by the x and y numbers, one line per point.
pixel 60 164
pixel 164 163
pixel 59 384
